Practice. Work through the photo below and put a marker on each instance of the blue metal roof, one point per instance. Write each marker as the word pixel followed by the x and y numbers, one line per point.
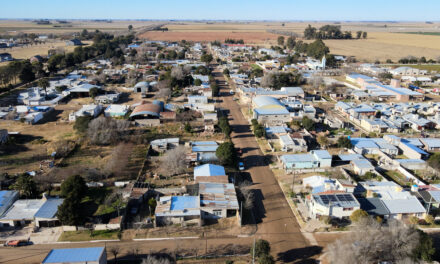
pixel 209 170
pixel 49 208
pixel 281 111
pixel 74 255
pixel 416 149
pixel 184 202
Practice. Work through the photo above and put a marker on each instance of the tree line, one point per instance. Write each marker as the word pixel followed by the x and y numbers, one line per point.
pixel 104 44
pixel 234 41
pixel 331 32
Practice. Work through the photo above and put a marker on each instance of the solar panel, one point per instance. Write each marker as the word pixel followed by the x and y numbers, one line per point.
pixel 348 197
pixel 324 199
pixel 341 198
pixel 332 198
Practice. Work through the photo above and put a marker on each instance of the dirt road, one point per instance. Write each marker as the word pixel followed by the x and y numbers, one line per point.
pixel 276 222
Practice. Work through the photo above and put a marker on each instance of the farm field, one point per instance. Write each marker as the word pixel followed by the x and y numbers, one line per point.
pixel 27 26
pixel 40 49
pixel 391 42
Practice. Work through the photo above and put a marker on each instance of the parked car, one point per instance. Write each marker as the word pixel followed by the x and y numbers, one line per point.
pixel 17 243
pixel 231 91
pixel 241 165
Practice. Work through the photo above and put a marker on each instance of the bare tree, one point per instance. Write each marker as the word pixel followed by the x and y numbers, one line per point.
pixel 156 260
pixel 177 72
pixel 315 81
pixel 115 251
pixel 248 194
pixel 268 79
pixel 163 93
pixel 118 160
pixel 106 130
pixel 371 242
pixel 174 161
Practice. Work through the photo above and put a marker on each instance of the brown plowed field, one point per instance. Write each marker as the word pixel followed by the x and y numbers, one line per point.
pixel 248 37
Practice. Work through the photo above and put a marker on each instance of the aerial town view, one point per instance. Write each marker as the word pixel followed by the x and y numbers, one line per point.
pixel 231 132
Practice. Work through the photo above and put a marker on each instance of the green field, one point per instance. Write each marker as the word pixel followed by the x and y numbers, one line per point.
pixel 86 235
pixel 424 33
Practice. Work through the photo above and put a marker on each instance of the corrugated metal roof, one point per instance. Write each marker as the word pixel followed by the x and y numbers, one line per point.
pixel 70 255
pixel 209 170
pixel 184 202
pixel 404 206
pixel 49 208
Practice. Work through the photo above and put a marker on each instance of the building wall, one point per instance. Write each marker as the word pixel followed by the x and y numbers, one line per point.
pixel 272 119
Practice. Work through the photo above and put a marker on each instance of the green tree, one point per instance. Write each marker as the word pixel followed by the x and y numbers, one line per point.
pixel 434 160
pixel 70 212
pixel 226 72
pixel 344 142
pixel 429 219
pixel 262 247
pixel 323 141
pixel 364 35
pixel 308 123
pixel 43 83
pixel 266 259
pixel 26 185
pixel 280 40
pixel 358 34
pixel 425 248
pixel 197 82
pixel 290 43
pixel 259 131
pixel 188 128
pixel 82 123
pixel 93 92
pixel 130 27
pixel 317 49
pixel 206 58
pixel 75 187
pixel 26 73
pixel 310 32
pixel 223 123
pixel 226 154
pixel 152 203
pixel 358 215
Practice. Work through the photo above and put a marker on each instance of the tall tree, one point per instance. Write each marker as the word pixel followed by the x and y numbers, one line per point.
pixel 43 83
pixel 25 184
pixel 26 73
pixel 290 43
pixel 280 40
pixel 74 186
pixel 226 154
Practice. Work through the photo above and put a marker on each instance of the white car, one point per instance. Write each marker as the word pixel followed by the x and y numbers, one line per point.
pixel 231 92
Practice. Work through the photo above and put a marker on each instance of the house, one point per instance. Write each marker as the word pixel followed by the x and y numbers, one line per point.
pixel 407 71
pixel 5 57
pixel 430 199
pixel 7 198
pixel 400 203
pixel 82 90
pixel 345 185
pixel 334 204
pixel 74 42
pixel 204 151
pixel 210 173
pixel 146 111
pixel 210 117
pixel 268 110
pixel 362 166
pixel 40 211
pixel 4 136
pixel 91 255
pixel 86 110
pixel 162 145
pixel 418 123
pixel 373 146
pixel 218 200
pixel 374 207
pixel 107 98
pixel 178 210
pixel 275 131
pixel 318 184
pixel 142 87
pixel 431 144
pixel 315 159
pixel 114 110
pixel 374 125
pixel 412 151
pixel 197 99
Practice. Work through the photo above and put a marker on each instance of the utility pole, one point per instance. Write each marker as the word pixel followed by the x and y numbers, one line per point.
pixel 253 252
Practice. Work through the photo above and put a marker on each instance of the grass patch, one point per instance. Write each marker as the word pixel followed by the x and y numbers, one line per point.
pixel 398 178
pixel 86 235
pixel 424 33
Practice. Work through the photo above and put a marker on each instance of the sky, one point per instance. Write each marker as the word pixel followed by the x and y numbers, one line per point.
pixel 311 10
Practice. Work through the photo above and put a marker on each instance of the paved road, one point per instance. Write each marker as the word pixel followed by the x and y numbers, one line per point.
pixel 276 222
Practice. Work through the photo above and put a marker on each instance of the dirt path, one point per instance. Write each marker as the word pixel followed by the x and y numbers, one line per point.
pixel 276 222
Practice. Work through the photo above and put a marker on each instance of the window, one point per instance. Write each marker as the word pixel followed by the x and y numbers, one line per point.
pixel 217 212
pixel 348 209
